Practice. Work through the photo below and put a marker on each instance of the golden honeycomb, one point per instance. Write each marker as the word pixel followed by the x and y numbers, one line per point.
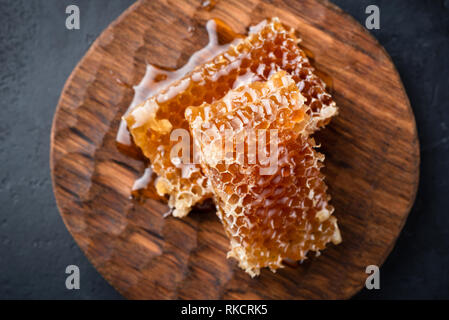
pixel 267 49
pixel 272 215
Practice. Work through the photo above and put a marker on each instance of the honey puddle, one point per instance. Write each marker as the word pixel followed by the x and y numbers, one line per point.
pixel 208 4
pixel 144 187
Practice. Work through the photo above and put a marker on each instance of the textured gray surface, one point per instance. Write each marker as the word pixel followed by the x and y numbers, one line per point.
pixel 37 54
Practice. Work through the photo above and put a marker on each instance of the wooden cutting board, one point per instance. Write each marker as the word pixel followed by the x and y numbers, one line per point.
pixel 372 157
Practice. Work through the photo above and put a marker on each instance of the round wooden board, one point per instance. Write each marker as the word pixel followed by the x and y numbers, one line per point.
pixel 372 157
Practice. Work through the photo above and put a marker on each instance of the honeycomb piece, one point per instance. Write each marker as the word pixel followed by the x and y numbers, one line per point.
pixel 276 214
pixel 266 50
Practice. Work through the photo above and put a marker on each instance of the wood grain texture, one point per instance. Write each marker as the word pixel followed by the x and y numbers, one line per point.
pixel 372 158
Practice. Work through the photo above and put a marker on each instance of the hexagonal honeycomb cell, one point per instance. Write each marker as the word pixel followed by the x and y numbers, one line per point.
pixel 271 211
pixel 267 49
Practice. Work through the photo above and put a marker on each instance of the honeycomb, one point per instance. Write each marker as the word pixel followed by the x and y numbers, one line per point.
pixel 267 49
pixel 272 215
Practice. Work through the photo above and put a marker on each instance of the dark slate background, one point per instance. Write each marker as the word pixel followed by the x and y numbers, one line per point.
pixel 37 54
